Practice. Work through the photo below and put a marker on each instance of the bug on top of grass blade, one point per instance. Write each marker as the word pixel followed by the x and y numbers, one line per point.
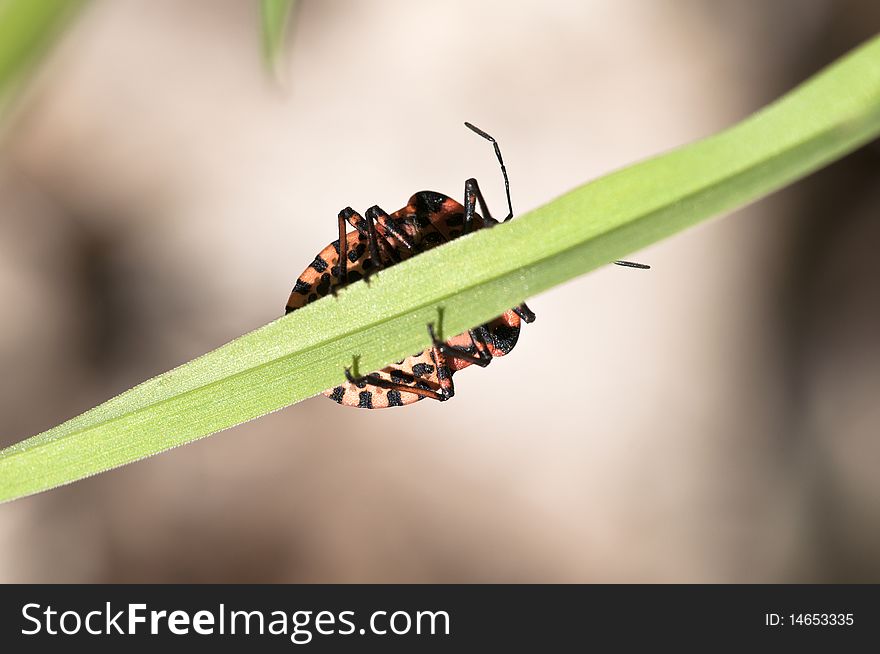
pixel 380 240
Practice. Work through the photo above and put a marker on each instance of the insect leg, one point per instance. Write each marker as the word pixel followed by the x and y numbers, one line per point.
pixel 373 244
pixel 472 190
pixel 391 228
pixel 344 215
pixel 483 358
pixel 366 228
pixel 375 380
pixel 525 313
pixel 374 215
pixel 444 374
pixel 470 200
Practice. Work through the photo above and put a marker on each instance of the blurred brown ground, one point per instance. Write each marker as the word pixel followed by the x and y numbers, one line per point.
pixel 718 419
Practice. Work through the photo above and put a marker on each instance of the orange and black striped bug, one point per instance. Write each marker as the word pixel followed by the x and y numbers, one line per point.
pixel 380 240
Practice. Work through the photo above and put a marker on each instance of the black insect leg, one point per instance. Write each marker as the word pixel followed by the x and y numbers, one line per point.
pixel 366 227
pixel 483 358
pixel 470 201
pixel 391 228
pixel 375 380
pixel 477 130
pixel 444 374
pixel 472 195
pixel 342 267
pixel 472 187
pixel 525 313
pixel 372 243
pixel 374 215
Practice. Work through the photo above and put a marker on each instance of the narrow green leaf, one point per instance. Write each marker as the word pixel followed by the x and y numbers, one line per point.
pixel 27 29
pixel 276 21
pixel 299 355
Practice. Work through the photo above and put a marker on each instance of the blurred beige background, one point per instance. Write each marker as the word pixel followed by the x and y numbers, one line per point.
pixel 159 195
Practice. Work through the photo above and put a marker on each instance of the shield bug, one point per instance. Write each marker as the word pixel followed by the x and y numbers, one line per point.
pixel 380 240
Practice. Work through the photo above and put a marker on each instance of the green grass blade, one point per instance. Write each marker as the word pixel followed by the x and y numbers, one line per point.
pixel 27 29
pixel 299 355
pixel 275 16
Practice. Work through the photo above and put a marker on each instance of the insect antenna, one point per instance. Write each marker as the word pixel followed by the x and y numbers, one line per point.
pixel 633 264
pixel 477 130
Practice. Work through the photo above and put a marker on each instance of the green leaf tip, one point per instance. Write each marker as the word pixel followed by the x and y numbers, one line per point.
pixel 27 29
pixel 275 20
